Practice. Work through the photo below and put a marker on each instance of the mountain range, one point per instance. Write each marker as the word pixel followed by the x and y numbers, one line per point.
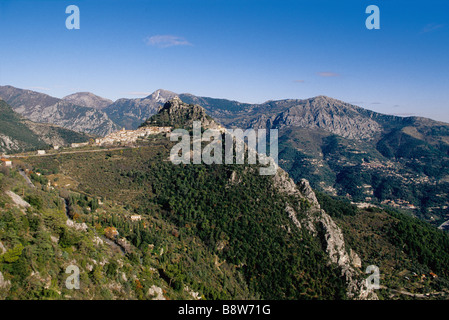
pixel 19 134
pixel 42 108
pixel 140 227
pixel 342 149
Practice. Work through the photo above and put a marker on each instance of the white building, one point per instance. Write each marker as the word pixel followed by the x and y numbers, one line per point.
pixel 6 162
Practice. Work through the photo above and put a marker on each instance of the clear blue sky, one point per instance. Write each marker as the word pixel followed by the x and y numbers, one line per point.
pixel 251 51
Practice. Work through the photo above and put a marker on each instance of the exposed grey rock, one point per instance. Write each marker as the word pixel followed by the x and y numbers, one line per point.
pixel 55 135
pixel 18 200
pixel 307 192
pixel 131 113
pixel 292 214
pixel 18 134
pixel 77 226
pixel 356 261
pixel 156 292
pixel 43 108
pixel 4 283
pixel 97 241
pixel 8 144
pixel 329 114
pixel 195 295
pixel 176 113
pixel 2 248
pixel 125 244
pixel 335 245
pixel 87 99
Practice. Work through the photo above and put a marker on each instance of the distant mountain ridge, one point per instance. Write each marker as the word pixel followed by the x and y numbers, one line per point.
pixel 90 113
pixel 19 134
pixel 131 113
pixel 39 107
pixel 87 99
pixel 167 231
pixel 340 148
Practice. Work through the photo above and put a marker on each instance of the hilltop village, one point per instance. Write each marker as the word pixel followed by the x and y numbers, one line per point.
pixel 123 137
pixel 130 136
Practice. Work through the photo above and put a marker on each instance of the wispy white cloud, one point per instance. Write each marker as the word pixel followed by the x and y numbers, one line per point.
pixel 328 74
pixel 431 27
pixel 165 41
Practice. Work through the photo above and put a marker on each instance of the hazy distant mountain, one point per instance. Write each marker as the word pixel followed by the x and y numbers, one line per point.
pixel 87 99
pixel 316 113
pixel 130 113
pixel 18 134
pixel 39 107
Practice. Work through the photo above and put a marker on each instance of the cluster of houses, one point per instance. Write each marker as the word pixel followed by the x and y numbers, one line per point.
pixel 399 203
pixel 130 136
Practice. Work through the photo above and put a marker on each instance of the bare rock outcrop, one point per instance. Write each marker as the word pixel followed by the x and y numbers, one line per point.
pixel 315 220
pixel 156 292
pixel 77 226
pixel 18 200
pixel 2 248
pixel 4 283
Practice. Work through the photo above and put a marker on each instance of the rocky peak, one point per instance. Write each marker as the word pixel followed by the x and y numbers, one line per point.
pixel 87 99
pixel 161 95
pixel 176 113
pixel 329 114
pixel 335 245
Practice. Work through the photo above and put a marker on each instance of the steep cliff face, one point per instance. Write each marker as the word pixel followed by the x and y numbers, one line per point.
pixel 67 115
pixel 39 107
pixel 8 144
pixel 319 223
pixel 18 134
pixel 324 113
pixel 56 135
pixel 178 114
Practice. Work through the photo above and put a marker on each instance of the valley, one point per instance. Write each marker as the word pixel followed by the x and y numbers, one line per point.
pixel 219 231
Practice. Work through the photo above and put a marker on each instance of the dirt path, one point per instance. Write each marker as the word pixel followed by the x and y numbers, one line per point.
pixel 68 152
pixel 28 181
